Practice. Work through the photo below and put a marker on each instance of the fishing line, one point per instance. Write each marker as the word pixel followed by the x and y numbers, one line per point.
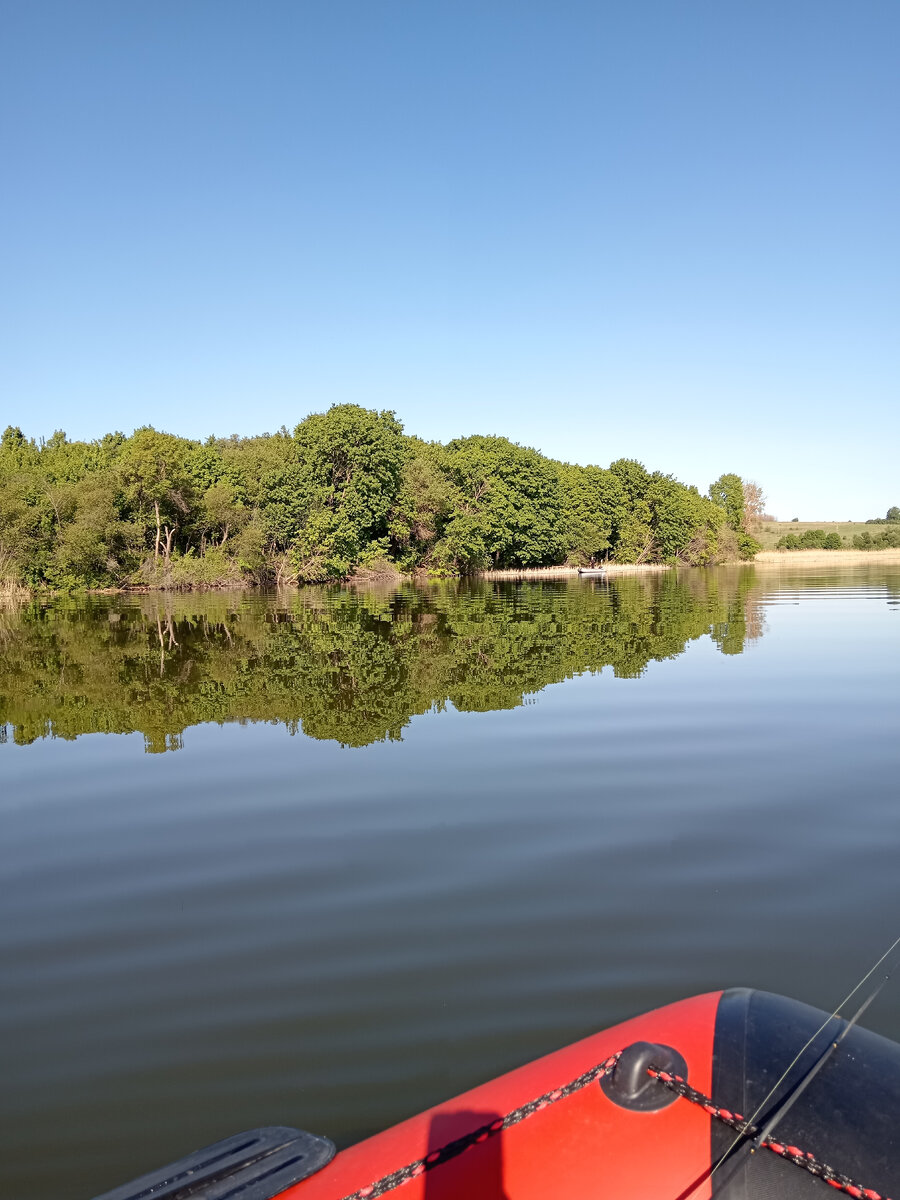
pixel 820 1062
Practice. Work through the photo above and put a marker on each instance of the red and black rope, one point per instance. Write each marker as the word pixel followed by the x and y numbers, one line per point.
pixel 800 1158
pixel 461 1144
pixel 674 1083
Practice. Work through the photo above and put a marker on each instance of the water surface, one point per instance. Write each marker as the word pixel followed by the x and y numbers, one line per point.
pixel 323 859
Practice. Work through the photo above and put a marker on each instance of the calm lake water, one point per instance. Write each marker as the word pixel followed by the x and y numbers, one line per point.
pixel 326 858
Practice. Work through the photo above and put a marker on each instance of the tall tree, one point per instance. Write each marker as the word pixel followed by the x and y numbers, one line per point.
pixel 754 505
pixel 728 492
pixel 349 467
pixel 594 504
pixel 156 481
pixel 511 508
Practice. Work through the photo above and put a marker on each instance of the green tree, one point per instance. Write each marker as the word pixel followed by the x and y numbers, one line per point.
pixel 156 481
pixel 633 476
pixel 685 525
pixel 425 501
pixel 16 451
pixel 349 468
pixel 220 514
pixel 594 502
pixel 728 493
pixel 93 541
pixel 635 542
pixel 510 508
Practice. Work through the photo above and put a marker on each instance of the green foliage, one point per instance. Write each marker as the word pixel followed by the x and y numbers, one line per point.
pixel 888 539
pixel 326 547
pixel 594 503
pixel 16 452
pixel 633 477
pixel 635 542
pixel 748 546
pixel 349 467
pixel 810 539
pixel 155 478
pixel 728 493
pixel 345 491
pixel 685 524
pixel 510 507
pixel 424 503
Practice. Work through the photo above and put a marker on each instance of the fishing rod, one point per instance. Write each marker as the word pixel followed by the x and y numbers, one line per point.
pixel 732 1154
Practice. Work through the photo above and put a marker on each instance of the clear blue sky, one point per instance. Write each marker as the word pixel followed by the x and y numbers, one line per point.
pixel 662 230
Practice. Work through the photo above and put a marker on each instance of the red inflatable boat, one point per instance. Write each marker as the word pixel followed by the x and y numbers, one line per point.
pixel 737 1094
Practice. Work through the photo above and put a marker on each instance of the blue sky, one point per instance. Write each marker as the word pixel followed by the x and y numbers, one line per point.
pixel 661 230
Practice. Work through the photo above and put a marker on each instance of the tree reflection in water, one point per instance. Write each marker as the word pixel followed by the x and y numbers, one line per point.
pixel 346 664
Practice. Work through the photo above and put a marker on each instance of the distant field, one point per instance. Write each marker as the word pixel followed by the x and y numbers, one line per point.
pixel 773 530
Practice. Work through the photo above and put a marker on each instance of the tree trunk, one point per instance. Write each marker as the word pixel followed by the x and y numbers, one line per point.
pixel 158 539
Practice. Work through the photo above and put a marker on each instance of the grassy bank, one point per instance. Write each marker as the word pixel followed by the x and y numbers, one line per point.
pixel 771 531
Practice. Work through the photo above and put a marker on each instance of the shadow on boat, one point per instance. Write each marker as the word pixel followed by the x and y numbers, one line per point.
pixel 472 1170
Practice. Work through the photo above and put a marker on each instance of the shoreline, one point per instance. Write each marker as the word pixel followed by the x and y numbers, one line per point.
pixel 766 559
pixel 568 572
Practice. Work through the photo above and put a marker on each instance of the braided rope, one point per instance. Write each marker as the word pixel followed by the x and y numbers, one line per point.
pixel 675 1083
pixel 414 1169
pixel 800 1158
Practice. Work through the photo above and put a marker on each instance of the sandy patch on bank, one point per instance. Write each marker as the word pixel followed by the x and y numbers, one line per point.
pixel 799 558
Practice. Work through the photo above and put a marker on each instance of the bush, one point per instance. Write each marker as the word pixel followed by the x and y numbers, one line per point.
pixel 747 545
pixel 214 569
pixel 811 539
pixel 888 539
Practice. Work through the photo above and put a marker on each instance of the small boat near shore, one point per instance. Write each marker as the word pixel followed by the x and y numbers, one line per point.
pixel 738 1094
pixel 592 571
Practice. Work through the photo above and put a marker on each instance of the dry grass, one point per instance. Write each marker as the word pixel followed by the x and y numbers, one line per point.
pixel 379 571
pixel 11 589
pixel 9 580
pixel 569 572
pixel 816 558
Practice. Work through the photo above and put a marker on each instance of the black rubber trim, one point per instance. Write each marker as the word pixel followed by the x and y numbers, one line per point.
pixel 847 1117
pixel 256 1165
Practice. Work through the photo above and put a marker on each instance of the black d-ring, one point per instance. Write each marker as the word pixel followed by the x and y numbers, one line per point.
pixel 631 1087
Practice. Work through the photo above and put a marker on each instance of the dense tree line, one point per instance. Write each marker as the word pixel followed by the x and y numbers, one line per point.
pixel 345 664
pixel 347 491
pixel 891 517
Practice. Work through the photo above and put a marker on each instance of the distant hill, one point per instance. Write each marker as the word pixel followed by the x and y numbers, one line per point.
pixel 770 531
